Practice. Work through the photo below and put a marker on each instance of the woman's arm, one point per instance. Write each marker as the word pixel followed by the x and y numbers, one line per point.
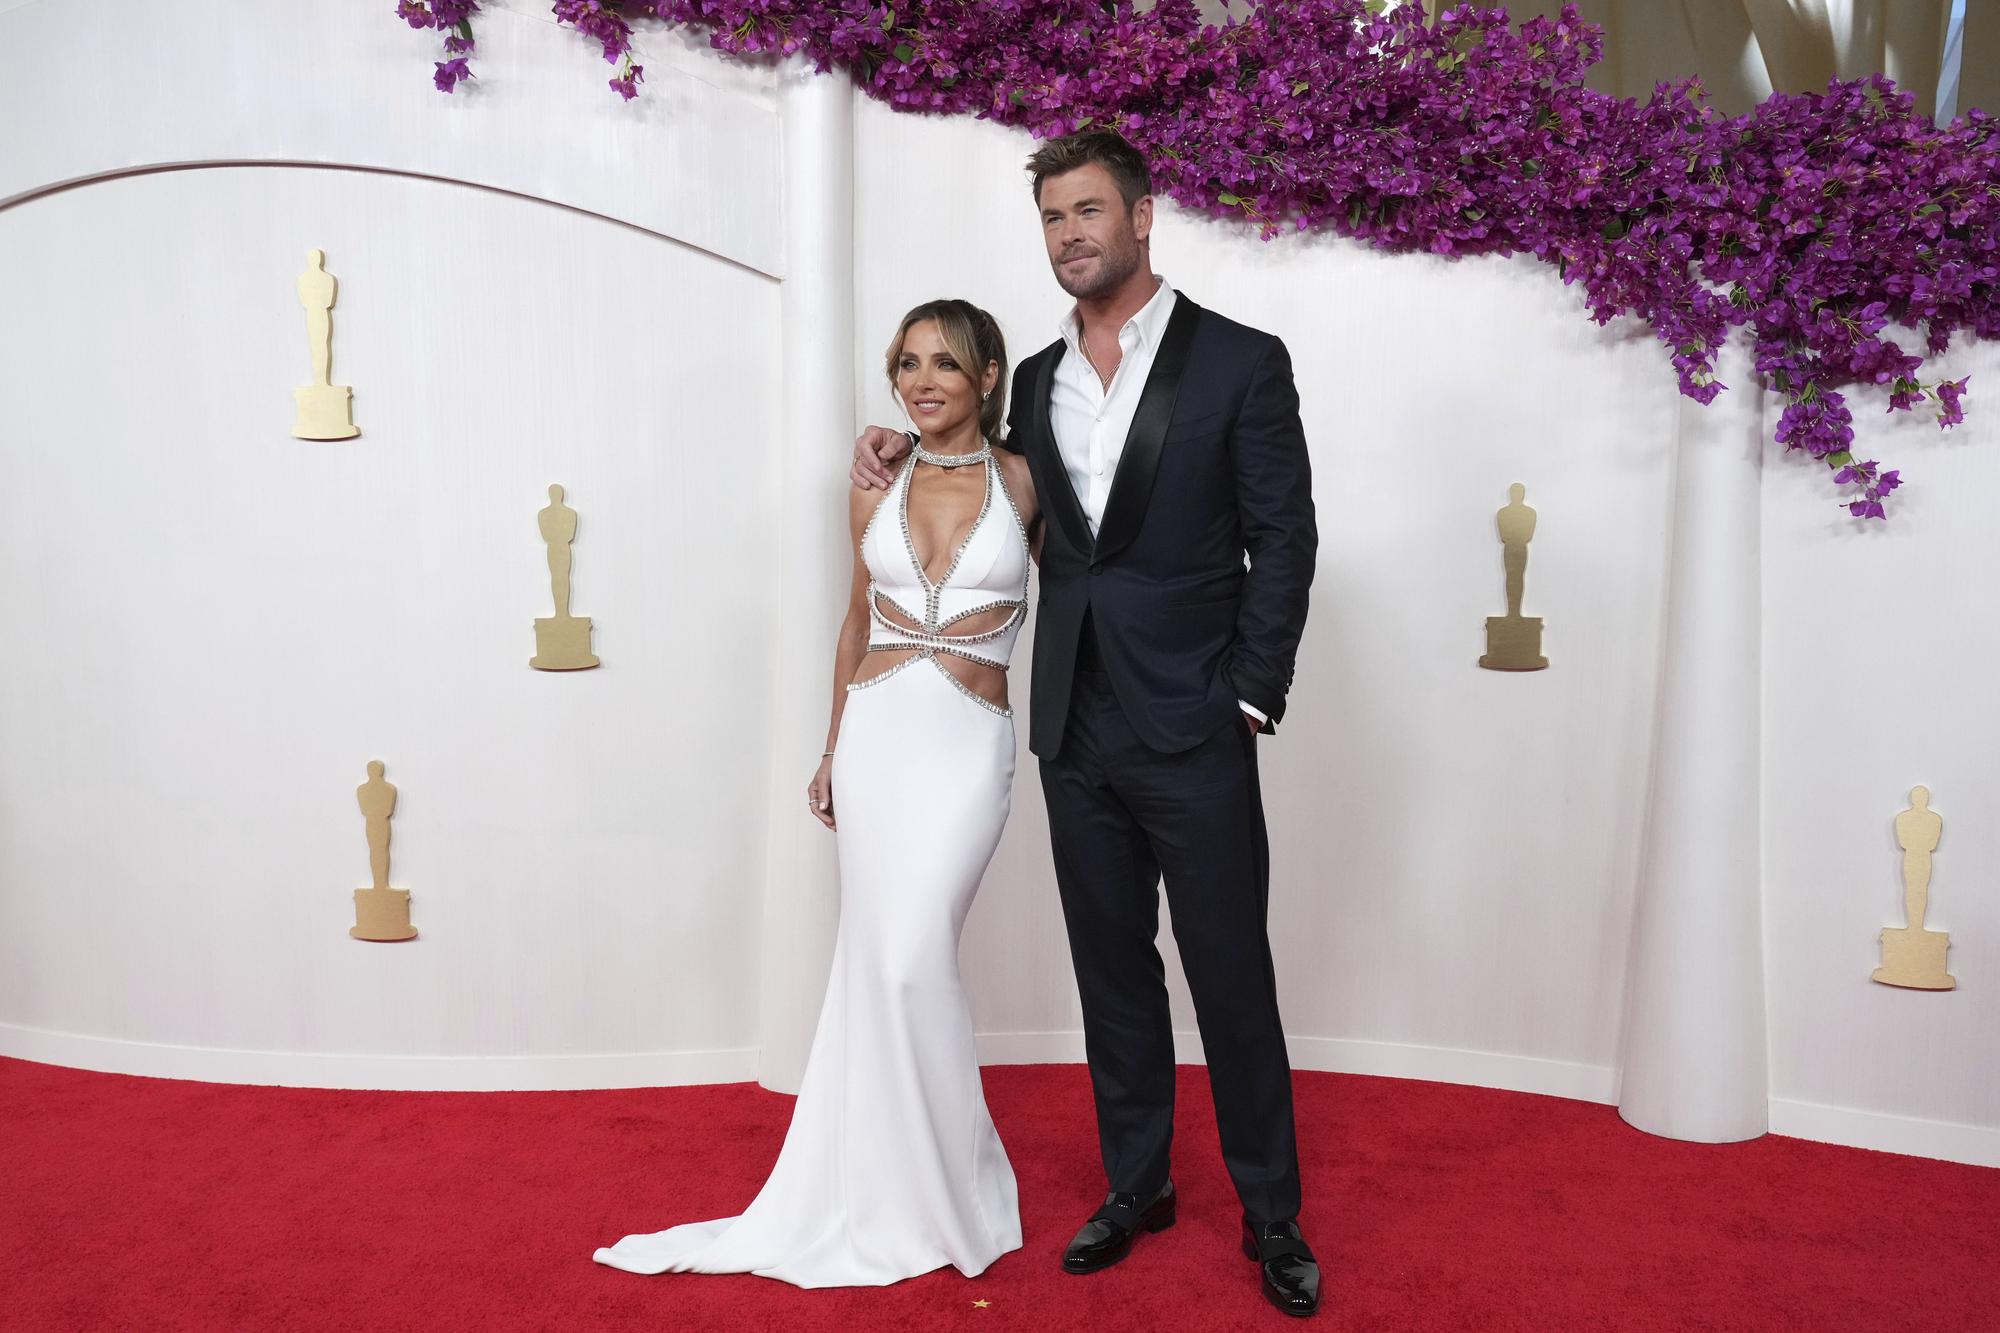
pixel 1020 482
pixel 849 648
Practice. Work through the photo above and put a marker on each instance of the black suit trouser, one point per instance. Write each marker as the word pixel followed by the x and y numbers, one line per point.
pixel 1122 818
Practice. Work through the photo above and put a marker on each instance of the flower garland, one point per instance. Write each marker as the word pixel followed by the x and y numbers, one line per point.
pixel 1817 220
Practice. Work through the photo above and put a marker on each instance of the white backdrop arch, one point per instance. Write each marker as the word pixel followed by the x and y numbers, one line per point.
pixel 675 308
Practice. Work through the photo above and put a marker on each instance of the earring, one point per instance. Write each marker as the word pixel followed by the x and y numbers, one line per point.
pixel 984 396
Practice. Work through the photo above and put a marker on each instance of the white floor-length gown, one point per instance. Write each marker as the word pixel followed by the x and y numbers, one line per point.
pixel 892 1166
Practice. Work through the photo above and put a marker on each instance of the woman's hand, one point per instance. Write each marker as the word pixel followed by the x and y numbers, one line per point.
pixel 819 792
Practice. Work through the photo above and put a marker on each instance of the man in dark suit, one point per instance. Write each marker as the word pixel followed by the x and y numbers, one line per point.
pixel 1165 444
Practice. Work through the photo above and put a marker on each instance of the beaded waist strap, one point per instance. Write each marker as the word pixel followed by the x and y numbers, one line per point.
pixel 933 639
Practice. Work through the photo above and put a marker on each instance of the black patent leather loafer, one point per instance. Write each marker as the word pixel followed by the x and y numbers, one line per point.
pixel 1286 1263
pixel 1108 1235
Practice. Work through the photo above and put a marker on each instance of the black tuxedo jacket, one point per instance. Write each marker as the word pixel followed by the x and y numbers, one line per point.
pixel 1215 466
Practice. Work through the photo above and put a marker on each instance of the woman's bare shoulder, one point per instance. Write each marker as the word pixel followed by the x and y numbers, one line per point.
pixel 1020 481
pixel 862 502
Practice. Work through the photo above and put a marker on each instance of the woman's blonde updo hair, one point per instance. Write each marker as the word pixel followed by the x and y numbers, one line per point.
pixel 973 339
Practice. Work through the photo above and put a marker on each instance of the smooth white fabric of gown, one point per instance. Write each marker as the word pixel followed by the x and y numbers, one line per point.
pixel 892 1166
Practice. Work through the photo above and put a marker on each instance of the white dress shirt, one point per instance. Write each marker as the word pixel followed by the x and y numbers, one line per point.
pixel 1091 419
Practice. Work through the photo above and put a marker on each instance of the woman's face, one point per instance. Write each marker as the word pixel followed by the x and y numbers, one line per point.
pixel 940 395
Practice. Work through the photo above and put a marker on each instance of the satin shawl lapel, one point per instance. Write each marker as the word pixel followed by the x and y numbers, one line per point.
pixel 1060 495
pixel 1132 484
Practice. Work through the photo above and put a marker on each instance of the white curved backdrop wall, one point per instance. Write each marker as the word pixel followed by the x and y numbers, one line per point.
pixel 215 626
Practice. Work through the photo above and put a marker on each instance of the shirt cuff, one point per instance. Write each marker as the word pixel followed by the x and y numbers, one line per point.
pixel 1258 713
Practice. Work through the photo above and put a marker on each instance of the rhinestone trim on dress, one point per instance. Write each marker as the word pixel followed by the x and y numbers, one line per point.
pixel 931 590
pixel 926 642
pixel 923 636
pixel 876 596
pixel 1027 547
pixel 881 676
pixel 969 692
pixel 1019 604
pixel 931 655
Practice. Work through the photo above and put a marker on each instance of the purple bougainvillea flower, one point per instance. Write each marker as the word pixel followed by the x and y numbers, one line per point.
pixel 449 72
pixel 1948 392
pixel 1815 222
pixel 628 85
pixel 452 17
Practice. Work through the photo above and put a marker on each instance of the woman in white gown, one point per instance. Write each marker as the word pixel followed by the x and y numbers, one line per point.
pixel 892 1166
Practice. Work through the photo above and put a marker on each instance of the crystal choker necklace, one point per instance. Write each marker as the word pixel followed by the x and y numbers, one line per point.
pixel 923 455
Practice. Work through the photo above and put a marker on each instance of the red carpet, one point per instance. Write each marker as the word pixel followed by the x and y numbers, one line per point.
pixel 160 1204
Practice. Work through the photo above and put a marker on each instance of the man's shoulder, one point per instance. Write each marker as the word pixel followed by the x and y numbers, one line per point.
pixel 1032 362
pixel 1221 329
pixel 1226 351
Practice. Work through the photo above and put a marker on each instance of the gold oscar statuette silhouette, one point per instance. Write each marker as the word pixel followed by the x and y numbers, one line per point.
pixel 380 912
pixel 562 641
pixel 1514 641
pixel 325 410
pixel 1911 955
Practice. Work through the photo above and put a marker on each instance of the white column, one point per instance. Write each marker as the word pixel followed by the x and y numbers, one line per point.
pixel 1694 1060
pixel 801 890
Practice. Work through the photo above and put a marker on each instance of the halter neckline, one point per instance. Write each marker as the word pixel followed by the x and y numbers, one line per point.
pixel 998 582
